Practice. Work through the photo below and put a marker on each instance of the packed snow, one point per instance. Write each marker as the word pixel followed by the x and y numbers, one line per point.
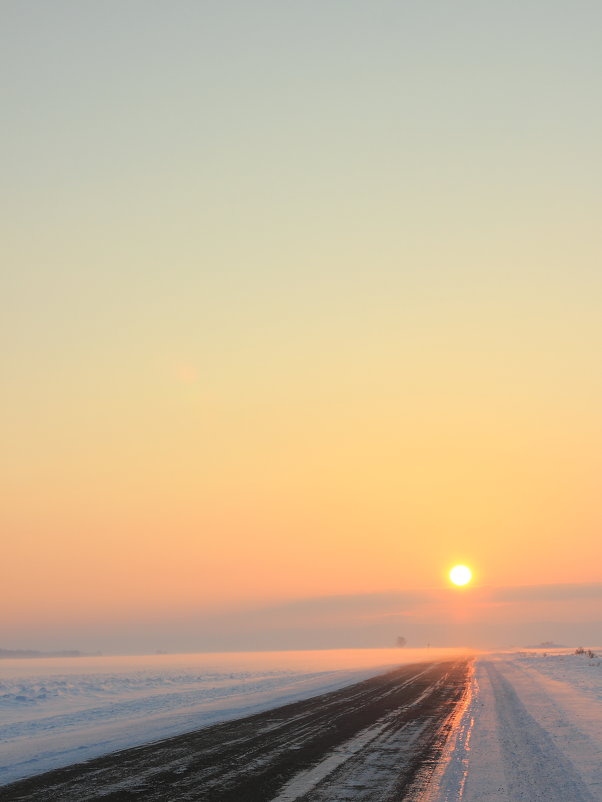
pixel 58 711
pixel 530 729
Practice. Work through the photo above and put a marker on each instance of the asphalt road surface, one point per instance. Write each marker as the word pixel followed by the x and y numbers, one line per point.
pixel 375 740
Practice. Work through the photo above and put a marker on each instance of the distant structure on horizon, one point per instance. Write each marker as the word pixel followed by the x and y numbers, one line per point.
pixel 400 641
pixel 547 644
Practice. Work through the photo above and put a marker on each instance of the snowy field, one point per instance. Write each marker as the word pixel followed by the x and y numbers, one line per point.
pixel 58 711
pixel 531 729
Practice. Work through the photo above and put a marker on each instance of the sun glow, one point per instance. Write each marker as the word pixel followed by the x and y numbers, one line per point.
pixel 460 575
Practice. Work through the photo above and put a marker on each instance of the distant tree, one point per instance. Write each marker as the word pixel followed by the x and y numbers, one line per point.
pixel 401 641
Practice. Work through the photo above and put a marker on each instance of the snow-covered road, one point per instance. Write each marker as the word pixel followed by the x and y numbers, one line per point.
pixel 54 712
pixel 366 742
pixel 524 726
pixel 531 731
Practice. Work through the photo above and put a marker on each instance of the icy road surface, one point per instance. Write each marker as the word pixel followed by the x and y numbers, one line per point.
pixel 371 741
pixel 54 712
pixel 532 730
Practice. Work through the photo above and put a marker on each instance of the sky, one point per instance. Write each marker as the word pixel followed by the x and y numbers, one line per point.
pixel 300 307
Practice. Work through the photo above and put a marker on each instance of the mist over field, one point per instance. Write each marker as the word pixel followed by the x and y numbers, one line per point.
pixel 484 618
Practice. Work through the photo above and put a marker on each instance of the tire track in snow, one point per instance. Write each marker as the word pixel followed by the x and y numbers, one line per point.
pixel 534 767
pixel 350 759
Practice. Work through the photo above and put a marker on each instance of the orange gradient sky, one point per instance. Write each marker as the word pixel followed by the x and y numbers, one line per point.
pixel 299 301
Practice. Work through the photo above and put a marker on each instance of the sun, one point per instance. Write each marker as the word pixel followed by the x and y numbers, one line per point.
pixel 460 574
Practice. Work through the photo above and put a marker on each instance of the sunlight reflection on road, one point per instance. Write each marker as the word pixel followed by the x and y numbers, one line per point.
pixel 449 778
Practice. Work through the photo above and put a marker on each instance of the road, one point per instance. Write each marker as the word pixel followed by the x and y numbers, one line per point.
pixel 375 740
